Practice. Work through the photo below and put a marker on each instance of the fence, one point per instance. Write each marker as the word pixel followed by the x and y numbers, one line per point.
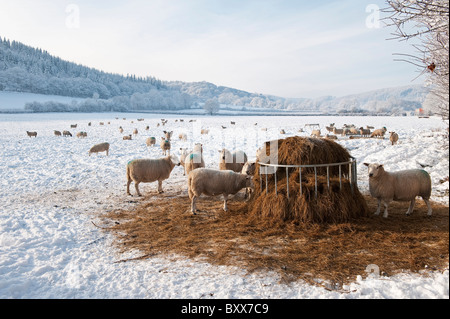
pixel 351 165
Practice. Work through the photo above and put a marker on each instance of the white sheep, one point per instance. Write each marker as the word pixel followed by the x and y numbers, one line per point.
pixel 315 133
pixel 168 135
pixel 194 159
pixel 379 132
pixel 30 134
pixel 393 137
pixel 183 154
pixel 331 137
pixel 150 141
pixel 403 185
pixel 81 134
pixel 135 131
pixel 337 131
pixel 248 169
pixel 232 161
pixel 150 170
pixel 364 132
pixel 127 138
pixel 212 182
pixel 182 137
pixel 165 145
pixel 102 147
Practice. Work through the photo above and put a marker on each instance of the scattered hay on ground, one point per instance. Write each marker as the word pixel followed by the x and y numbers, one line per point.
pixel 335 252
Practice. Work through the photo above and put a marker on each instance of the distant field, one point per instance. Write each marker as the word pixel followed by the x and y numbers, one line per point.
pixel 17 100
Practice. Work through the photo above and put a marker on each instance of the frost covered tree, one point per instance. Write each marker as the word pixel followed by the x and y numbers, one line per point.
pixel 426 21
pixel 211 106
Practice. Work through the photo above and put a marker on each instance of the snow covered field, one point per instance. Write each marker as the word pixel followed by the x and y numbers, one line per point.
pixel 52 190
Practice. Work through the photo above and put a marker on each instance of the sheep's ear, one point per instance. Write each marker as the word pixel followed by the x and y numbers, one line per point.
pixel 164 132
pixel 381 165
pixel 367 164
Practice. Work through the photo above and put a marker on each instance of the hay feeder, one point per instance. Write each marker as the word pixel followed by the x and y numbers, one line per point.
pixel 313 180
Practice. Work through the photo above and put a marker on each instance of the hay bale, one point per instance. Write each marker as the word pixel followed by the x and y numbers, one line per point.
pixel 339 202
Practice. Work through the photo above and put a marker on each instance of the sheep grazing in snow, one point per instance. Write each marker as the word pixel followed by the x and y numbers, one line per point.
pixel 212 182
pixel 67 133
pixel 81 134
pixel 331 137
pixel 127 138
pixel 165 145
pixel 282 131
pixel 182 137
pixel 403 185
pixel 102 147
pixel 30 134
pixel 204 131
pixel 393 137
pixel 120 129
pixel 364 132
pixel 73 125
pixel 379 132
pixel 150 170
pixel 194 159
pixel 337 131
pixel 150 141
pixel 57 133
pixel 232 161
pixel 135 131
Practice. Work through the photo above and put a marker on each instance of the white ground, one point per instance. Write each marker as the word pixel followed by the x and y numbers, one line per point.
pixel 52 190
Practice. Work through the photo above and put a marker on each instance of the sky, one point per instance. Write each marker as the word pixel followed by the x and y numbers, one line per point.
pixel 287 48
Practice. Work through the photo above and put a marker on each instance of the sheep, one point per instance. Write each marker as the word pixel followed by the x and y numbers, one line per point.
pixel 282 131
pixel 248 169
pixel 393 138
pixel 204 131
pixel 329 128
pixel 150 170
pixel 101 123
pixel 102 147
pixel 379 132
pixel 182 137
pixel 233 123
pixel 331 137
pixel 81 134
pixel 120 129
pixel 315 133
pixel 165 145
pixel 30 134
pixel 402 185
pixel 337 131
pixel 364 132
pixel 168 135
pixel 147 128
pixel 135 131
pixel 127 138
pixel 212 182
pixel 353 131
pixel 150 141
pixel 89 124
pixel 232 161
pixel 194 159
pixel 183 154
pixel 57 133
pixel 67 133
pixel 73 125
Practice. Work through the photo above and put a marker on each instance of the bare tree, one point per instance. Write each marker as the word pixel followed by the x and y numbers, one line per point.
pixel 211 106
pixel 428 22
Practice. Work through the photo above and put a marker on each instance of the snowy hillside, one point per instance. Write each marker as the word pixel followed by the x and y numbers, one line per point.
pixel 52 191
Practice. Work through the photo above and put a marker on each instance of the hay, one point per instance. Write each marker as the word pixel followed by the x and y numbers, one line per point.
pixel 338 202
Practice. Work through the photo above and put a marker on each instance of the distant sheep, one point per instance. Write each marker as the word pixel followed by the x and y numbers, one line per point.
pixel 182 137
pixel 212 182
pixel 67 133
pixel 120 130
pixel 165 145
pixel 403 185
pixel 204 131
pixel 378 132
pixel 232 161
pixel 338 131
pixel 30 134
pixel 282 131
pixel 135 131
pixel 127 138
pixel 81 134
pixel 364 132
pixel 315 133
pixel 73 125
pixel 331 137
pixel 194 159
pixel 57 133
pixel 150 170
pixel 102 147
pixel 150 141
pixel 393 138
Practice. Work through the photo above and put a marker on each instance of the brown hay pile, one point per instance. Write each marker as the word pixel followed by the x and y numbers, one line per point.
pixel 332 204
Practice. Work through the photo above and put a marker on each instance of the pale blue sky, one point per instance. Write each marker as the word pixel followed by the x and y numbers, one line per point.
pixel 281 47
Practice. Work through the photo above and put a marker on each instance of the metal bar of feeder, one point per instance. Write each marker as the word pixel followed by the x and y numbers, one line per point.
pixel 276 189
pixel 350 172
pixel 287 181
pixel 328 177
pixel 340 180
pixel 300 174
pixel 267 188
pixel 315 181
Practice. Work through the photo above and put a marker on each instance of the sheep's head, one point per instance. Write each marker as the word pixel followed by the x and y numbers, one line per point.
pixel 249 182
pixel 175 160
pixel 374 169
pixel 225 155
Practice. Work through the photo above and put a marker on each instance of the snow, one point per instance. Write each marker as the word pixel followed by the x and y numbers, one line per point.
pixel 52 191
pixel 15 101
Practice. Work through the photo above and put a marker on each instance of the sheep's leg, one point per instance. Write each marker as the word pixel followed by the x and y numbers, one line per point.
pixel 160 190
pixel 136 185
pixel 385 214
pixel 128 186
pixel 193 206
pixel 225 198
pixel 430 211
pixel 379 207
pixel 411 207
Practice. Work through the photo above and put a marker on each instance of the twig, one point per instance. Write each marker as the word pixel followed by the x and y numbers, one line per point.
pixel 135 258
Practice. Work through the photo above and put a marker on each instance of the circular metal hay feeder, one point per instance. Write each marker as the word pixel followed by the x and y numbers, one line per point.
pixel 312 180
